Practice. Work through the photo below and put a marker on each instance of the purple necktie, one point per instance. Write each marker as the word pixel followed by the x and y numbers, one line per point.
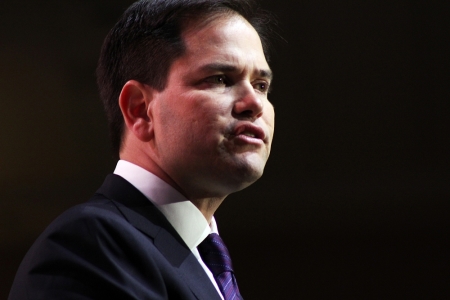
pixel 215 255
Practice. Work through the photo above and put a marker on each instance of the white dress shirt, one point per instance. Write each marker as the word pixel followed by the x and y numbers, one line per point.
pixel 184 216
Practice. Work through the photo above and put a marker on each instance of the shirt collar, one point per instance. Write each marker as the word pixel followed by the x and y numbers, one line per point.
pixel 184 216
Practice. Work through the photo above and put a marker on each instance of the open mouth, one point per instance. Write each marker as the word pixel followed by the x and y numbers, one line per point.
pixel 251 131
pixel 249 134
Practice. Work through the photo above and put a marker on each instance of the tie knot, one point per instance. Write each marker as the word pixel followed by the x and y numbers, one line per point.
pixel 215 254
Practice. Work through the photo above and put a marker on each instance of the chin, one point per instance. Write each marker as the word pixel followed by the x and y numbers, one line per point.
pixel 247 175
pixel 240 172
pixel 245 184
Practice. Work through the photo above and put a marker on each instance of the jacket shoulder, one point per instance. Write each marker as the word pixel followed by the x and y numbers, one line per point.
pixel 91 250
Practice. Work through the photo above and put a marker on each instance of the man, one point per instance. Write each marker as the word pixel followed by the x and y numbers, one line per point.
pixel 185 85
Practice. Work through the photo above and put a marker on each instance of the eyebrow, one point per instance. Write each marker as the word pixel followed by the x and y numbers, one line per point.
pixel 265 73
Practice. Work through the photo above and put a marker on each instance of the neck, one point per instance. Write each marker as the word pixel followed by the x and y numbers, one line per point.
pixel 207 206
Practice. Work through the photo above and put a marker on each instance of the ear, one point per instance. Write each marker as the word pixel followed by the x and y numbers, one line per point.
pixel 135 102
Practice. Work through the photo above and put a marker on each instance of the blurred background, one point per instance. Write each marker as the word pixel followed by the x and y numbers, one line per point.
pixel 354 203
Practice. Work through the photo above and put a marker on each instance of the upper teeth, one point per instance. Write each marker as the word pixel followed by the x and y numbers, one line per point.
pixel 248 134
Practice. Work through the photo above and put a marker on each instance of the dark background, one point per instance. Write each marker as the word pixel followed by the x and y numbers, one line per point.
pixel 354 203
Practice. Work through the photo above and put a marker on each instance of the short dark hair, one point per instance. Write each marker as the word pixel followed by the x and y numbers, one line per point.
pixel 147 39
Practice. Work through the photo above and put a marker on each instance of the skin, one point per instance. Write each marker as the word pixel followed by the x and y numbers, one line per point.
pixel 209 132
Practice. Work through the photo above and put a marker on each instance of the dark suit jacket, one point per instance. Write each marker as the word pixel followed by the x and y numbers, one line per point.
pixel 116 246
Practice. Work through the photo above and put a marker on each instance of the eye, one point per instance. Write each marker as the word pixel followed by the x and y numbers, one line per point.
pixel 262 86
pixel 217 79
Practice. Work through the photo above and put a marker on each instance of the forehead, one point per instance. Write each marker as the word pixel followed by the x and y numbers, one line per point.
pixel 224 39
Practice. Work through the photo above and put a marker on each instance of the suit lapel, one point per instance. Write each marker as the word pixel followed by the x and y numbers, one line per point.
pixel 197 280
pixel 144 216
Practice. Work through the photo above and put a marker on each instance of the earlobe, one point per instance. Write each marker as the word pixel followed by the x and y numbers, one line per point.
pixel 135 103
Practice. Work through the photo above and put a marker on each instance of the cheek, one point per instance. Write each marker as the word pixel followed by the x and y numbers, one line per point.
pixel 200 117
pixel 269 116
pixel 207 109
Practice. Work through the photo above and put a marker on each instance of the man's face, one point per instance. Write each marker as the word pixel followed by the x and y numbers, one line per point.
pixel 213 123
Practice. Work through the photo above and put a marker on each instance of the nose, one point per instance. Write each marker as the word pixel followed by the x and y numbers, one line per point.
pixel 249 105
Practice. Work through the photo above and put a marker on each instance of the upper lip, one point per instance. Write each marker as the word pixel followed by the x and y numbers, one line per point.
pixel 249 128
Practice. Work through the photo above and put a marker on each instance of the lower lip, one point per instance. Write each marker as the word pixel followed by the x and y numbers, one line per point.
pixel 245 139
